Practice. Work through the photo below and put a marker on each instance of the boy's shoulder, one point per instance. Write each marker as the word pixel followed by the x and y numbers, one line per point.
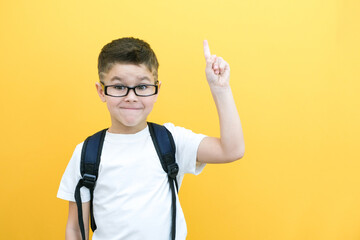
pixel 170 126
pixel 177 133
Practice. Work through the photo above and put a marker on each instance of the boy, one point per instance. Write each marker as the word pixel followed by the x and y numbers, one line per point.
pixel 132 198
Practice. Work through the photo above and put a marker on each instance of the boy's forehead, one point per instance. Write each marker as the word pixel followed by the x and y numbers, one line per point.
pixel 121 71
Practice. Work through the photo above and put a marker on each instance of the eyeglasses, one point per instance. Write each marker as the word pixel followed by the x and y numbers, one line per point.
pixel 142 90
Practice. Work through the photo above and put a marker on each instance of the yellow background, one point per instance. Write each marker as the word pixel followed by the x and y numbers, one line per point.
pixel 295 75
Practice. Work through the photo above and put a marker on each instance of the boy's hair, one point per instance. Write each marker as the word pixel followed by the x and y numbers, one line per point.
pixel 127 50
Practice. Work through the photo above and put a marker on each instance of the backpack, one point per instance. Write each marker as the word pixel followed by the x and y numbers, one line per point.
pixel 90 161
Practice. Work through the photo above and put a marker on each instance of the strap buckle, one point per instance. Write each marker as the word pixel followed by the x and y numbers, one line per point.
pixel 173 170
pixel 89 180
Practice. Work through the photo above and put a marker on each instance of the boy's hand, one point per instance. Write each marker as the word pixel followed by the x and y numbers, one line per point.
pixel 230 146
pixel 217 69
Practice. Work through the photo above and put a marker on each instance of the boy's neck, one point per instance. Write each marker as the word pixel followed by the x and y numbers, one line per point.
pixel 122 129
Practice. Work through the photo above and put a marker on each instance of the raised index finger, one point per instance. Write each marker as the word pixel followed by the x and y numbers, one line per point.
pixel 207 53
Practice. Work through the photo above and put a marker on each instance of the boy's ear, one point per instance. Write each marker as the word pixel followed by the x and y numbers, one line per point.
pixel 100 91
pixel 159 85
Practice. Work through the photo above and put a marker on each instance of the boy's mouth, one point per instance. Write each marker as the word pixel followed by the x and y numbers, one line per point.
pixel 130 108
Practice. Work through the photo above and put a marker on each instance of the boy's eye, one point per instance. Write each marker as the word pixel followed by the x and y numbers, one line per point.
pixel 142 87
pixel 119 87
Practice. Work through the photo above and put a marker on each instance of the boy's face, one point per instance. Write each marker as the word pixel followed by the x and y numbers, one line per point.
pixel 128 113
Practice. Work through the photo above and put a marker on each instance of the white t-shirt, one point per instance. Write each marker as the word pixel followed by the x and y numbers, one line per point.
pixel 132 197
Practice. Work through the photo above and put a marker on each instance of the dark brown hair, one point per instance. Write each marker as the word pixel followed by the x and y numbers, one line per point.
pixel 127 50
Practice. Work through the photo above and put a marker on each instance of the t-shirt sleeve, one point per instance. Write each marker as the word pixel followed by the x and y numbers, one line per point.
pixel 187 144
pixel 71 177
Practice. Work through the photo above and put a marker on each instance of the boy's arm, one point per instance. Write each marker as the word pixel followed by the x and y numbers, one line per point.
pixel 230 146
pixel 72 227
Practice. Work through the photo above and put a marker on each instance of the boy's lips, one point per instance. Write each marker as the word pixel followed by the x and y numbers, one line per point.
pixel 131 108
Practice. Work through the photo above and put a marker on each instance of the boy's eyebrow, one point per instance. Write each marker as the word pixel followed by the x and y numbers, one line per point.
pixel 144 78
pixel 114 78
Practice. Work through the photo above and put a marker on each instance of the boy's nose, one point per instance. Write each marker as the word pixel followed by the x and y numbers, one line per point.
pixel 131 96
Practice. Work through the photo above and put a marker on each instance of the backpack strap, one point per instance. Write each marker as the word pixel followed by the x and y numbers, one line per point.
pixel 89 168
pixel 90 161
pixel 165 148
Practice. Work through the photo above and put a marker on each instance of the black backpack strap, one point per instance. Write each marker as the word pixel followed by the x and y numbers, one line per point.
pixel 165 148
pixel 89 168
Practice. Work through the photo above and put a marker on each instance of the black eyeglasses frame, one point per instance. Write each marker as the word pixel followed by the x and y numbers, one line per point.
pixel 156 85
